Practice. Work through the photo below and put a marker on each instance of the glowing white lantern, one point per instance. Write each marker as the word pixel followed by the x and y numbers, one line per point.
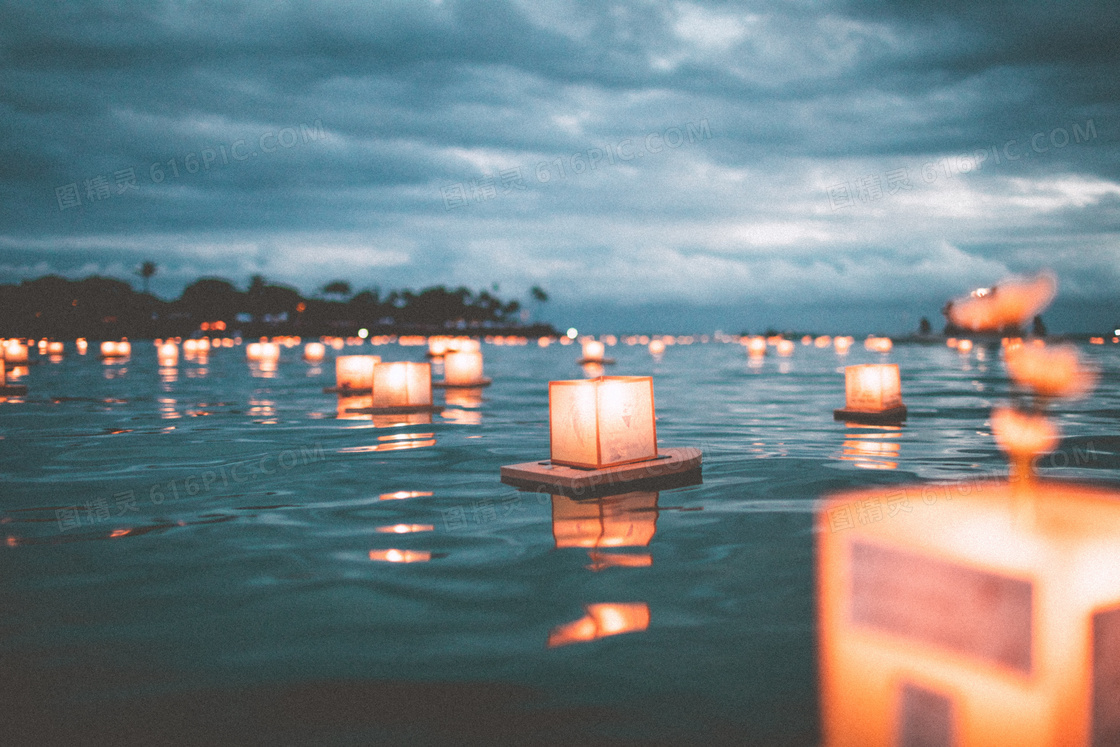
pixel 82 345
pixel 873 392
pixel 15 352
pixel 402 384
pixel 602 422
pixel 168 354
pixel 593 351
pixel 462 369
pixel 355 372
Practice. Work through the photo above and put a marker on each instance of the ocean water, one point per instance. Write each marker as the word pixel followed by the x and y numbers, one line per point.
pixel 211 553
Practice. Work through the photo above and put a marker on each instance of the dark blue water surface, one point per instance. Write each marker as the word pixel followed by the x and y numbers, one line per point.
pixel 188 552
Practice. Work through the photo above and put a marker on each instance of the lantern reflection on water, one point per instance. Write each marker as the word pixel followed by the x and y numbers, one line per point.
pixel 602 620
pixel 872 446
pixel 602 422
pixel 627 520
pixel 873 393
pixel 971 614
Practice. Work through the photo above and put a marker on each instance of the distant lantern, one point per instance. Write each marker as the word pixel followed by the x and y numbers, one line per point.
pixel 402 385
pixel 756 347
pixel 55 348
pixel 807 340
pixel 314 352
pixel 15 352
pixel 261 352
pixel 964 346
pixel 113 349
pixel 462 369
pixel 785 348
pixel 466 345
pixel 873 394
pixel 82 345
pixel 593 351
pixel 823 341
pixel 842 344
pixel 656 347
pixel 168 354
pixel 878 344
pixel 969 614
pixel 355 372
pixel 602 422
pixel 437 347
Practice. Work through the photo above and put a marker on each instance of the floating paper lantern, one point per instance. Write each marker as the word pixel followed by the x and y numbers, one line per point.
pixel 602 422
pixel 437 347
pixel 463 369
pixel 1050 371
pixel 15 352
pixel 314 352
pixel 964 346
pixel 842 344
pixel 785 348
pixel 656 347
pixel 261 352
pixel 600 621
pixel 355 372
pixel 878 344
pixel 82 345
pixel 974 614
pixel 593 351
pixel 823 341
pixel 402 385
pixel 873 393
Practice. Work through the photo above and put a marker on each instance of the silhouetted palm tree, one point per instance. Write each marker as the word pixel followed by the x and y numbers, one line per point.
pixel 147 269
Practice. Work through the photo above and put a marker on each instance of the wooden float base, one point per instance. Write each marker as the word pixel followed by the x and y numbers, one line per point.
pixel 669 469
pixel 602 362
pixel 393 410
pixel 893 415
pixel 472 385
pixel 13 389
pixel 347 391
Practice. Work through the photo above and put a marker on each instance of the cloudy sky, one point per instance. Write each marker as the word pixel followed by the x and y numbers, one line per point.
pixel 840 165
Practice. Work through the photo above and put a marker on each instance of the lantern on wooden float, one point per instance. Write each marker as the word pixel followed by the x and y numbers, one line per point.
pixel 600 621
pixel 403 386
pixel 602 433
pixel 873 394
pixel 463 369
pixel 314 352
pixel 354 372
pixel 842 344
pixel 55 347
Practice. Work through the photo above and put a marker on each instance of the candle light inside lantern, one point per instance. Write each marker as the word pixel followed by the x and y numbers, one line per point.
pixel 402 384
pixel 462 369
pixel 355 372
pixel 872 387
pixel 602 422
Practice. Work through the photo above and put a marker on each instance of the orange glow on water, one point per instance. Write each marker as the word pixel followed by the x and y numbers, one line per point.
pixel 602 620
pixel 400 556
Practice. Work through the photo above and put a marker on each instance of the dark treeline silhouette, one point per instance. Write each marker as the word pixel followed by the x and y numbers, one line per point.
pixel 104 308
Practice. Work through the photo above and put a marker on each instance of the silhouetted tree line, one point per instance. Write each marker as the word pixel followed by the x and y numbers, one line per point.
pixel 100 308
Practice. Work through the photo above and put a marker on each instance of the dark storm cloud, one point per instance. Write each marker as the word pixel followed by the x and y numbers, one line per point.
pixel 308 140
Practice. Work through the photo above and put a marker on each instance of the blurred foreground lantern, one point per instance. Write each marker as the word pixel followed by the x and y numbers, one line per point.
pixel 970 615
pixel 602 433
pixel 355 372
pixel 873 394
pixel 842 344
pixel 1011 303
pixel 602 422
pixel 463 369
pixel 314 352
pixel 602 620
pixel 15 352
pixel 402 386
pixel 1049 371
